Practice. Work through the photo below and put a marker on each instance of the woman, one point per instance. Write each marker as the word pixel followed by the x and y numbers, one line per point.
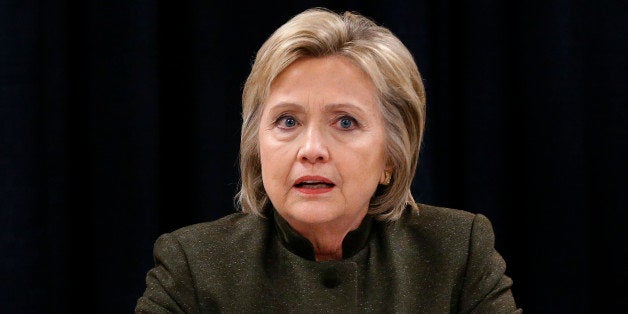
pixel 333 115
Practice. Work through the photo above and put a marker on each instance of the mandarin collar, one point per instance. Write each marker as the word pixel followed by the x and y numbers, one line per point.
pixel 353 242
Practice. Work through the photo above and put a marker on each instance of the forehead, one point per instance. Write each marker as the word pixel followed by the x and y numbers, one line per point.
pixel 331 79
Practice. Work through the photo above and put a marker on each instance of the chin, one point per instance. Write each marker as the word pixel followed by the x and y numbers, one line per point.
pixel 312 214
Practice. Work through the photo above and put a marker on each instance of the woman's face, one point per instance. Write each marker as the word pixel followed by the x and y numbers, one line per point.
pixel 321 142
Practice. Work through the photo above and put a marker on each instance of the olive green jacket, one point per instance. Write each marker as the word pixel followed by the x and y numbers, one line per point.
pixel 436 260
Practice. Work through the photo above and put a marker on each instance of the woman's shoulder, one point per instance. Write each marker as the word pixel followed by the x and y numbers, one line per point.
pixel 440 226
pixel 433 216
pixel 233 229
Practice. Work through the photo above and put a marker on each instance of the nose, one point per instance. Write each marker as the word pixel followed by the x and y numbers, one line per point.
pixel 313 146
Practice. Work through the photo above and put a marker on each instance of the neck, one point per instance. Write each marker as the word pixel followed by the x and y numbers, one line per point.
pixel 327 246
pixel 327 238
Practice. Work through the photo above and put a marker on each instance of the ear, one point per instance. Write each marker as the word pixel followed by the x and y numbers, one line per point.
pixel 384 178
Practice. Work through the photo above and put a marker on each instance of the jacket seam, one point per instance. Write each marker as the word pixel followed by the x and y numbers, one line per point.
pixel 467 262
pixel 187 263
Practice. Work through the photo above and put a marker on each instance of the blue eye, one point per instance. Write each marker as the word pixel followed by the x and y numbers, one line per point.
pixel 286 122
pixel 347 123
pixel 289 122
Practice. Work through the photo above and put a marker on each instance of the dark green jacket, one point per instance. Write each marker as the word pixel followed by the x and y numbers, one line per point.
pixel 436 260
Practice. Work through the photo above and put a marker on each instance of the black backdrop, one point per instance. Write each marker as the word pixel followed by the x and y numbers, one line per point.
pixel 120 121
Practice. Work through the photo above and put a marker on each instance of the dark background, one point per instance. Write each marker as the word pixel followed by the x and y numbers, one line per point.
pixel 119 121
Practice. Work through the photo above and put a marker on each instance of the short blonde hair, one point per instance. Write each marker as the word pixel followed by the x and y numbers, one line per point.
pixel 319 32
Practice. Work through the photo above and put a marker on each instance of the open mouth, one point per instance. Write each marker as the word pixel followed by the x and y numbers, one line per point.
pixel 314 185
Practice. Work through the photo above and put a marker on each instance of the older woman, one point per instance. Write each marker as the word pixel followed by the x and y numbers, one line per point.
pixel 333 115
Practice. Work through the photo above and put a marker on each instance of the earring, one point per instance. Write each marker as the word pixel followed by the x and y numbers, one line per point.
pixel 387 178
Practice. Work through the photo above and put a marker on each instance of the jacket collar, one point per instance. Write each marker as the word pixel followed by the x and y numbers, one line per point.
pixel 353 242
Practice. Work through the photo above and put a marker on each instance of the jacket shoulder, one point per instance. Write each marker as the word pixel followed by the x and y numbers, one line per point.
pixel 221 224
pixel 194 261
pixel 234 230
pixel 450 224
pixel 438 234
pixel 440 213
pixel 441 220
pixel 464 242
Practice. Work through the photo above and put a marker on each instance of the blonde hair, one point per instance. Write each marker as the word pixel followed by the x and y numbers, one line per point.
pixel 319 32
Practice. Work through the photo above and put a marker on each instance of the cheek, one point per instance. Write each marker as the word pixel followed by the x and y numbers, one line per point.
pixel 370 151
pixel 275 161
pixel 265 159
pixel 362 164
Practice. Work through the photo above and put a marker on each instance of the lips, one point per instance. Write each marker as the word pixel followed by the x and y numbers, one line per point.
pixel 313 184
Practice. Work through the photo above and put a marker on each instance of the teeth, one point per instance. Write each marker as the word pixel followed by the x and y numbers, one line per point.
pixel 315 184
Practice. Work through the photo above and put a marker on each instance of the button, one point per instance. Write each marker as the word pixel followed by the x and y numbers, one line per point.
pixel 331 278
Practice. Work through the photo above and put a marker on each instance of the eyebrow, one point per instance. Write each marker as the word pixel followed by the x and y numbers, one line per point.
pixel 281 105
pixel 344 107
